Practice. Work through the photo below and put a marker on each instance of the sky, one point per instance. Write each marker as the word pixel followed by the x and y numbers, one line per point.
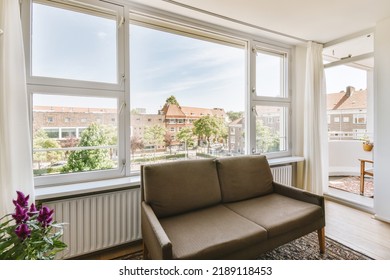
pixel 199 73
pixel 339 77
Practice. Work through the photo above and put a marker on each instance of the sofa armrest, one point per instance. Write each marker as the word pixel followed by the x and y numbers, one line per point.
pixel 158 244
pixel 299 194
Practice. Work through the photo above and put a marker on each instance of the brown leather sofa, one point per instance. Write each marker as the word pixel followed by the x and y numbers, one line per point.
pixel 227 208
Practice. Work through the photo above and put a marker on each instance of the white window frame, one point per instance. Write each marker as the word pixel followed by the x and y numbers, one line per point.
pixel 255 100
pixel 67 87
pixel 90 175
pixel 121 90
pixel 97 8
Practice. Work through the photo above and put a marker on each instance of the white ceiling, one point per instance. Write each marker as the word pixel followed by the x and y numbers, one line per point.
pixel 318 20
pixel 291 21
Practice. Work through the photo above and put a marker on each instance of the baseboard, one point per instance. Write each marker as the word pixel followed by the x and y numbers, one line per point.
pixel 382 219
pixel 349 203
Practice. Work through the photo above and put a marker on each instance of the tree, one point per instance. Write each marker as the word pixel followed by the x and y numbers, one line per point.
pixel 172 100
pixel 266 140
pixel 185 135
pixel 155 135
pixel 209 127
pixel 42 141
pixel 168 141
pixel 112 137
pixel 134 112
pixel 93 159
pixel 136 143
pixel 234 115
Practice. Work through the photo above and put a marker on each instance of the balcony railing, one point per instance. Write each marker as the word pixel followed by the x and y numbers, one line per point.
pixel 344 157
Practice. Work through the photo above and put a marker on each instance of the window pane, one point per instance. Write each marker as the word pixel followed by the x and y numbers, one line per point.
pixel 186 93
pixel 270 75
pixel 271 129
pixel 73 45
pixel 66 144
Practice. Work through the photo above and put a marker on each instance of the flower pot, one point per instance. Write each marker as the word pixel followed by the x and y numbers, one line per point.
pixel 368 146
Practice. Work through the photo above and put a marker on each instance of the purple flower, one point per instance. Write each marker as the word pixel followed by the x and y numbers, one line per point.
pixel 22 231
pixel 21 200
pixel 45 216
pixel 33 210
pixel 20 214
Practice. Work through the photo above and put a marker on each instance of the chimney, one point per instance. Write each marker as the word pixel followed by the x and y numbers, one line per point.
pixel 350 90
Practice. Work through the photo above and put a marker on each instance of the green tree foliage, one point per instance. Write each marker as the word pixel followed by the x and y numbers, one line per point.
pixel 266 140
pixel 185 136
pixel 94 159
pixel 234 115
pixel 172 100
pixel 42 141
pixel 210 128
pixel 155 135
pixel 134 112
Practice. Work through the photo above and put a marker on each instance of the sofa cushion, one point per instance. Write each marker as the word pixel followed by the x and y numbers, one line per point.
pixel 210 233
pixel 244 177
pixel 278 214
pixel 175 187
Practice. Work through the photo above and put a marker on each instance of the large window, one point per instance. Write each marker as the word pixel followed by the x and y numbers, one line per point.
pixel 187 91
pixel 271 129
pixel 62 147
pixel 70 44
pixel 76 90
pixel 272 103
pixel 270 74
pixel 108 94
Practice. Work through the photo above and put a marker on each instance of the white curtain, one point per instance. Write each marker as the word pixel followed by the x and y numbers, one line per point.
pixel 15 141
pixel 315 122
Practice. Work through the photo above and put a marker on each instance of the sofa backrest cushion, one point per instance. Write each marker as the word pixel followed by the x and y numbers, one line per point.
pixel 181 186
pixel 244 177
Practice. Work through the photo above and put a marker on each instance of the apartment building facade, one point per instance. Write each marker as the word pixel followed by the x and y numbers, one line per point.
pixel 347 114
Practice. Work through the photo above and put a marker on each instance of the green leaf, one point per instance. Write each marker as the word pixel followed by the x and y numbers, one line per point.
pixel 48 240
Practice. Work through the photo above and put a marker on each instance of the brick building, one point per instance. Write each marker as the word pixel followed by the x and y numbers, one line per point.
pixel 347 114
pixel 68 122
pixel 177 117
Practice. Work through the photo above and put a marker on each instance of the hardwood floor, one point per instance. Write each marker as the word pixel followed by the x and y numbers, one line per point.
pixel 358 230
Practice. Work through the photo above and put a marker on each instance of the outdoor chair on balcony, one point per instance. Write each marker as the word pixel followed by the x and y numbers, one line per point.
pixel 365 171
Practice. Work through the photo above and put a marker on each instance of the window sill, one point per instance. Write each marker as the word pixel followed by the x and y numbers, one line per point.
pixel 61 191
pixel 284 160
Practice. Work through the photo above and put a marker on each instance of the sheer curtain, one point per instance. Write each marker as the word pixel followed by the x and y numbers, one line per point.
pixel 315 124
pixel 15 143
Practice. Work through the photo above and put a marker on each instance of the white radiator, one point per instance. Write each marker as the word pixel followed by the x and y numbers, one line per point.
pixel 99 221
pixel 282 174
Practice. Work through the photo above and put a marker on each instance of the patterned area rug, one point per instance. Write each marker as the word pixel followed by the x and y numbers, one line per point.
pixel 352 184
pixel 304 248
pixel 307 248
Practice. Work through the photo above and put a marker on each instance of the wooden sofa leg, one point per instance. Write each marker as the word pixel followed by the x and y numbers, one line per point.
pixel 321 239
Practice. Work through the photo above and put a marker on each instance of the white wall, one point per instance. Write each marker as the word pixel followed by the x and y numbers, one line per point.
pixel 382 120
pixel 370 104
pixel 344 157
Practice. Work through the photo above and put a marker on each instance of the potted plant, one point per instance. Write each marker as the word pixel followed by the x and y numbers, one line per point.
pixel 367 144
pixel 30 232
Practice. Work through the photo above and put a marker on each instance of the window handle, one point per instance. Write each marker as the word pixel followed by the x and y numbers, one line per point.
pixel 121 108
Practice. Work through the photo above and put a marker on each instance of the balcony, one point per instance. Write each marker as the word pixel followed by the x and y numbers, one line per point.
pixel 344 158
